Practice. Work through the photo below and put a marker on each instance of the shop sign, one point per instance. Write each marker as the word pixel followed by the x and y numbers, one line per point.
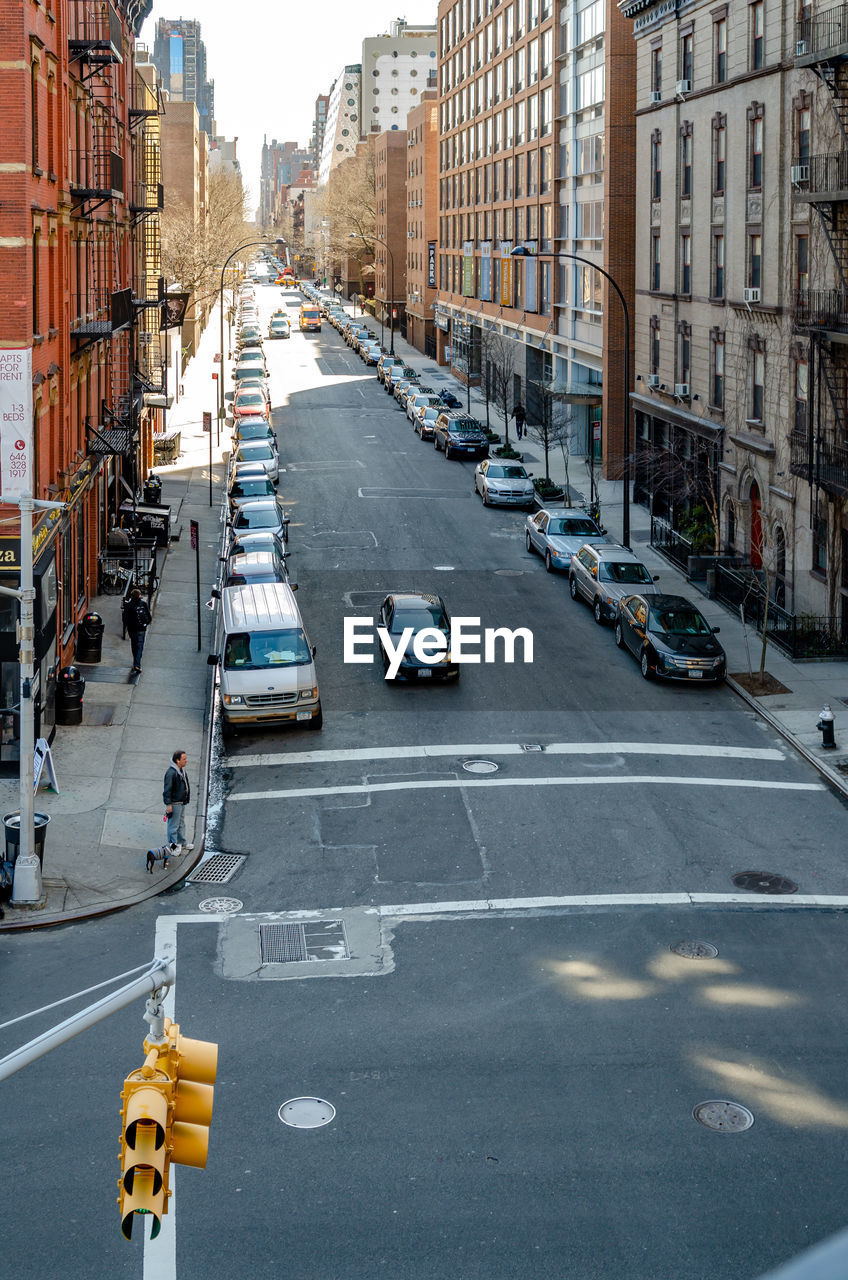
pixel 486 271
pixel 431 264
pixel 15 421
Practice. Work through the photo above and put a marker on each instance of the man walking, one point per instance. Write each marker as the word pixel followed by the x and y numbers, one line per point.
pixel 136 620
pixel 520 419
pixel 176 794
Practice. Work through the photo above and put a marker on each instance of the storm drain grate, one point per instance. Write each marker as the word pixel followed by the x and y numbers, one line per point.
pixel 217 869
pixel 764 882
pixel 313 940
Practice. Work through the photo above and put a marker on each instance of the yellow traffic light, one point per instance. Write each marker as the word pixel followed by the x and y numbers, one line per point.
pixel 144 1153
pixel 193 1066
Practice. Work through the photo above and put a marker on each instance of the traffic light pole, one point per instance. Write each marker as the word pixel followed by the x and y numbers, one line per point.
pixel 160 976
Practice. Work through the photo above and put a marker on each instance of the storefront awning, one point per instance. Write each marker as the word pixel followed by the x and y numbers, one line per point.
pixel 570 392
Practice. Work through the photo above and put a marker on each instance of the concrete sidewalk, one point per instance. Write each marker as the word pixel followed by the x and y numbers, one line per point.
pixel 110 769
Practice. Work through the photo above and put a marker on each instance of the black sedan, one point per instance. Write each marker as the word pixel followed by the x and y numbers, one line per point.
pixel 670 637
pixel 413 612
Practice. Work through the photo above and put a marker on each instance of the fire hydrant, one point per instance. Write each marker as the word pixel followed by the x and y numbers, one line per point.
pixel 826 725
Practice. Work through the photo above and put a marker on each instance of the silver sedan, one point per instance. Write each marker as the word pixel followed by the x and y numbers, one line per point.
pixel 558 533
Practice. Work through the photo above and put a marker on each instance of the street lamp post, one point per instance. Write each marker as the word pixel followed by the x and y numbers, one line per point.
pixel 520 252
pixel 353 236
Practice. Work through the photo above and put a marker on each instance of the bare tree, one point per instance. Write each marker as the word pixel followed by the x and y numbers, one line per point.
pixel 193 253
pixel 552 429
pixel 500 352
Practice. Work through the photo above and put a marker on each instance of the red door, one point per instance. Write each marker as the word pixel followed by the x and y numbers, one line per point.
pixel 756 529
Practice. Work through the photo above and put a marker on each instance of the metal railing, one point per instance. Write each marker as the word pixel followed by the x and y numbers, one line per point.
pixel 670 543
pixel 821 309
pixel 828 174
pixel 824 31
pixel 804 636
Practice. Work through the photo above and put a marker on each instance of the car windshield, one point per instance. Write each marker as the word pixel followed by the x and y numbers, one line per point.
pixel 310 313
pixel 284 648
pixel 506 473
pixel 430 414
pixel 418 616
pixel 464 428
pixel 614 571
pixel 254 432
pixel 251 488
pixel 250 398
pixel 257 518
pixel 256 453
pixel 678 622
pixel 572 527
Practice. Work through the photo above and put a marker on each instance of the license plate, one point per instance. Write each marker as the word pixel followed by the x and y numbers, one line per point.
pixel 424 671
pixel 304 715
pixel 696 675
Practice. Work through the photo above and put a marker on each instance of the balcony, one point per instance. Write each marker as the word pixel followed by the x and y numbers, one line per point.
pixel 96 176
pixel 98 313
pixel 823 37
pixel 147 197
pixel 94 32
pixel 821 309
pixel 821 177
pixel 823 461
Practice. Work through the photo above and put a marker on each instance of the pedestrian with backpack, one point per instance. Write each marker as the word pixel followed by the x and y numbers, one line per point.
pixel 137 619
pixel 520 419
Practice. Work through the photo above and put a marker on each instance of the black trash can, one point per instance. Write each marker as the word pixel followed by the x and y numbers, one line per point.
pixel 70 686
pixel 12 828
pixel 153 490
pixel 90 638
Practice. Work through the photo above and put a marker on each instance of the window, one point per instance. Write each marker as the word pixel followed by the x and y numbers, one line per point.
pixel 755 260
pixel 33 90
pixel 545 280
pixel 801 394
pixel 685 265
pixel 717 388
pixel 757 35
pixel 756 166
pixel 802 134
pixel 546 177
pixel 654 347
pixel 684 353
pixel 820 544
pixel 686 159
pixel 758 382
pixel 519 176
pixel 719 154
pixel 656 165
pixel 655 261
pixel 687 50
pixel 547 53
pixel 36 238
pixel 546 102
pixel 720 51
pixel 802 263
pixel 532 173
pixel 718 266
pixel 656 69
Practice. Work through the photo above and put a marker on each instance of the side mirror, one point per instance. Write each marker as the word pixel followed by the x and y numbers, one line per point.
pixel 293 586
pixel 656 577
pixel 212 660
pixel 215 593
pixel 716 630
pixel 530 474
pixel 314 650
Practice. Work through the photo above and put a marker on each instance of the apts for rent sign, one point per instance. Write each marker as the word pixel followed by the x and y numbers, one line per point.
pixel 15 421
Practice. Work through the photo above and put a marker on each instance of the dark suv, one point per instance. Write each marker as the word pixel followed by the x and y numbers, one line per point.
pixel 460 436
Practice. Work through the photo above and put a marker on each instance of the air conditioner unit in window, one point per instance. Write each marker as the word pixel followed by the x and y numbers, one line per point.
pixel 653 379
pixel 682 87
pixel 751 295
pixel 681 390
pixel 801 49
pixel 799 173
pixel 656 95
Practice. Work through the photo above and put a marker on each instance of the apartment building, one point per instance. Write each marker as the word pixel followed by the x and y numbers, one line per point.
pixel 723 246
pixel 342 127
pixel 185 176
pixel 422 221
pixel 390 228
pixel 179 56
pixel 396 69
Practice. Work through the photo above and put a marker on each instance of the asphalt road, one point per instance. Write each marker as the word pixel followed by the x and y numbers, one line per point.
pixel 514 1087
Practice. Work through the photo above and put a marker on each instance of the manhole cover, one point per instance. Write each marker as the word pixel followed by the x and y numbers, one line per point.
pixel 228 906
pixel 764 882
pixel 306 1113
pixel 308 940
pixel 694 950
pixel 723 1117
pixel 218 868
pixel 480 766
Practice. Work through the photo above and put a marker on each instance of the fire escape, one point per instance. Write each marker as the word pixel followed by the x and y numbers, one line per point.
pixel 146 204
pixel 101 304
pixel 819 440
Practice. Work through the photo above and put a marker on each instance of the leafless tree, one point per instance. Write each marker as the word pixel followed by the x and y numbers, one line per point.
pixel 500 357
pixel 193 253
pixel 553 429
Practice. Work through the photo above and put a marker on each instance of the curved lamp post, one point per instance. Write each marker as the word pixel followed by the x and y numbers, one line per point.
pixel 353 236
pixel 520 252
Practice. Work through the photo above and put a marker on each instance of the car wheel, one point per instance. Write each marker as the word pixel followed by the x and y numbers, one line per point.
pixel 549 564
pixel 645 666
pixel 436 443
pixel 447 453
pixel 572 586
pixel 317 722
pixel 528 542
pixel 619 636
pixel 485 496
pixel 597 611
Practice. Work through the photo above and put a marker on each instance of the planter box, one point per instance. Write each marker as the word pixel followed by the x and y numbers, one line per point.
pixel 555 498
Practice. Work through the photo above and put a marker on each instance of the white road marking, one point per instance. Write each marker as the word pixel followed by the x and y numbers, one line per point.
pixel 449 784
pixel 415 752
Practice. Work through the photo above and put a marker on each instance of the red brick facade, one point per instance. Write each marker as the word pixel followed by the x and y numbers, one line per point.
pixel 422 214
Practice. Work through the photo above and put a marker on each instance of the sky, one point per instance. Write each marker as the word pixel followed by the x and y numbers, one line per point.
pixel 270 59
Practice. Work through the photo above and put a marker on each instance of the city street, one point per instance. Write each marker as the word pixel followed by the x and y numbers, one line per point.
pixel 513 1071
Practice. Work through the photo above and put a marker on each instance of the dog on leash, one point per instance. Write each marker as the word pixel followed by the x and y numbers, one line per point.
pixel 161 855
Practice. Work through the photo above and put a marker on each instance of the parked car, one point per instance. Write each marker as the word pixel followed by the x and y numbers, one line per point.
pixel 401 389
pixel 414 609
pixel 253 402
pixel 258 540
pixel 249 339
pixel 419 396
pixel 394 374
pixel 425 421
pixel 370 352
pixel 245 370
pixel 558 533
pixel 243 488
pixel 262 513
pixel 384 364
pixel 245 567
pixel 670 637
pixel 253 428
pixel 504 484
pixel 279 327
pixel 460 436
pixel 604 575
pixel 259 451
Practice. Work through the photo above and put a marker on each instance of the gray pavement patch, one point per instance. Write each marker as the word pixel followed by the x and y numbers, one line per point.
pixel 99 675
pixel 240 957
pixel 103 713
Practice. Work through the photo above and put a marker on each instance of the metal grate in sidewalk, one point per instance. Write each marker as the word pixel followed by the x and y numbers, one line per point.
pixel 216 869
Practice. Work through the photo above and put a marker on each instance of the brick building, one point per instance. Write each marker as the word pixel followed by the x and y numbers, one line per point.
pixel 185 176
pixel 390 229
pixel 67 272
pixel 422 217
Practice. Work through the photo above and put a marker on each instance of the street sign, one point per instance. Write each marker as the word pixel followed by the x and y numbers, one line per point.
pixel 214 377
pixel 207 422
pixel 15 421
pixel 192 524
pixel 43 757
pixel 216 359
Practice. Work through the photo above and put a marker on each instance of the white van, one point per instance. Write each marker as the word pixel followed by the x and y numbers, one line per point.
pixel 266 663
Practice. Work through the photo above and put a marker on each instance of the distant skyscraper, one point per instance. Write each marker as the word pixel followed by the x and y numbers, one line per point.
pixel 179 56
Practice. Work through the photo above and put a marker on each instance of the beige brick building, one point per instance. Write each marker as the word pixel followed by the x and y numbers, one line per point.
pixel 422 217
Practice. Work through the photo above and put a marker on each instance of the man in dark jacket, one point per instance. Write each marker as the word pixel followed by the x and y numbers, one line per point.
pixel 176 794
pixel 136 620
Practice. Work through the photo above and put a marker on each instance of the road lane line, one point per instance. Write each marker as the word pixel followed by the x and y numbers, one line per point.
pixel 626 780
pixel 331 756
